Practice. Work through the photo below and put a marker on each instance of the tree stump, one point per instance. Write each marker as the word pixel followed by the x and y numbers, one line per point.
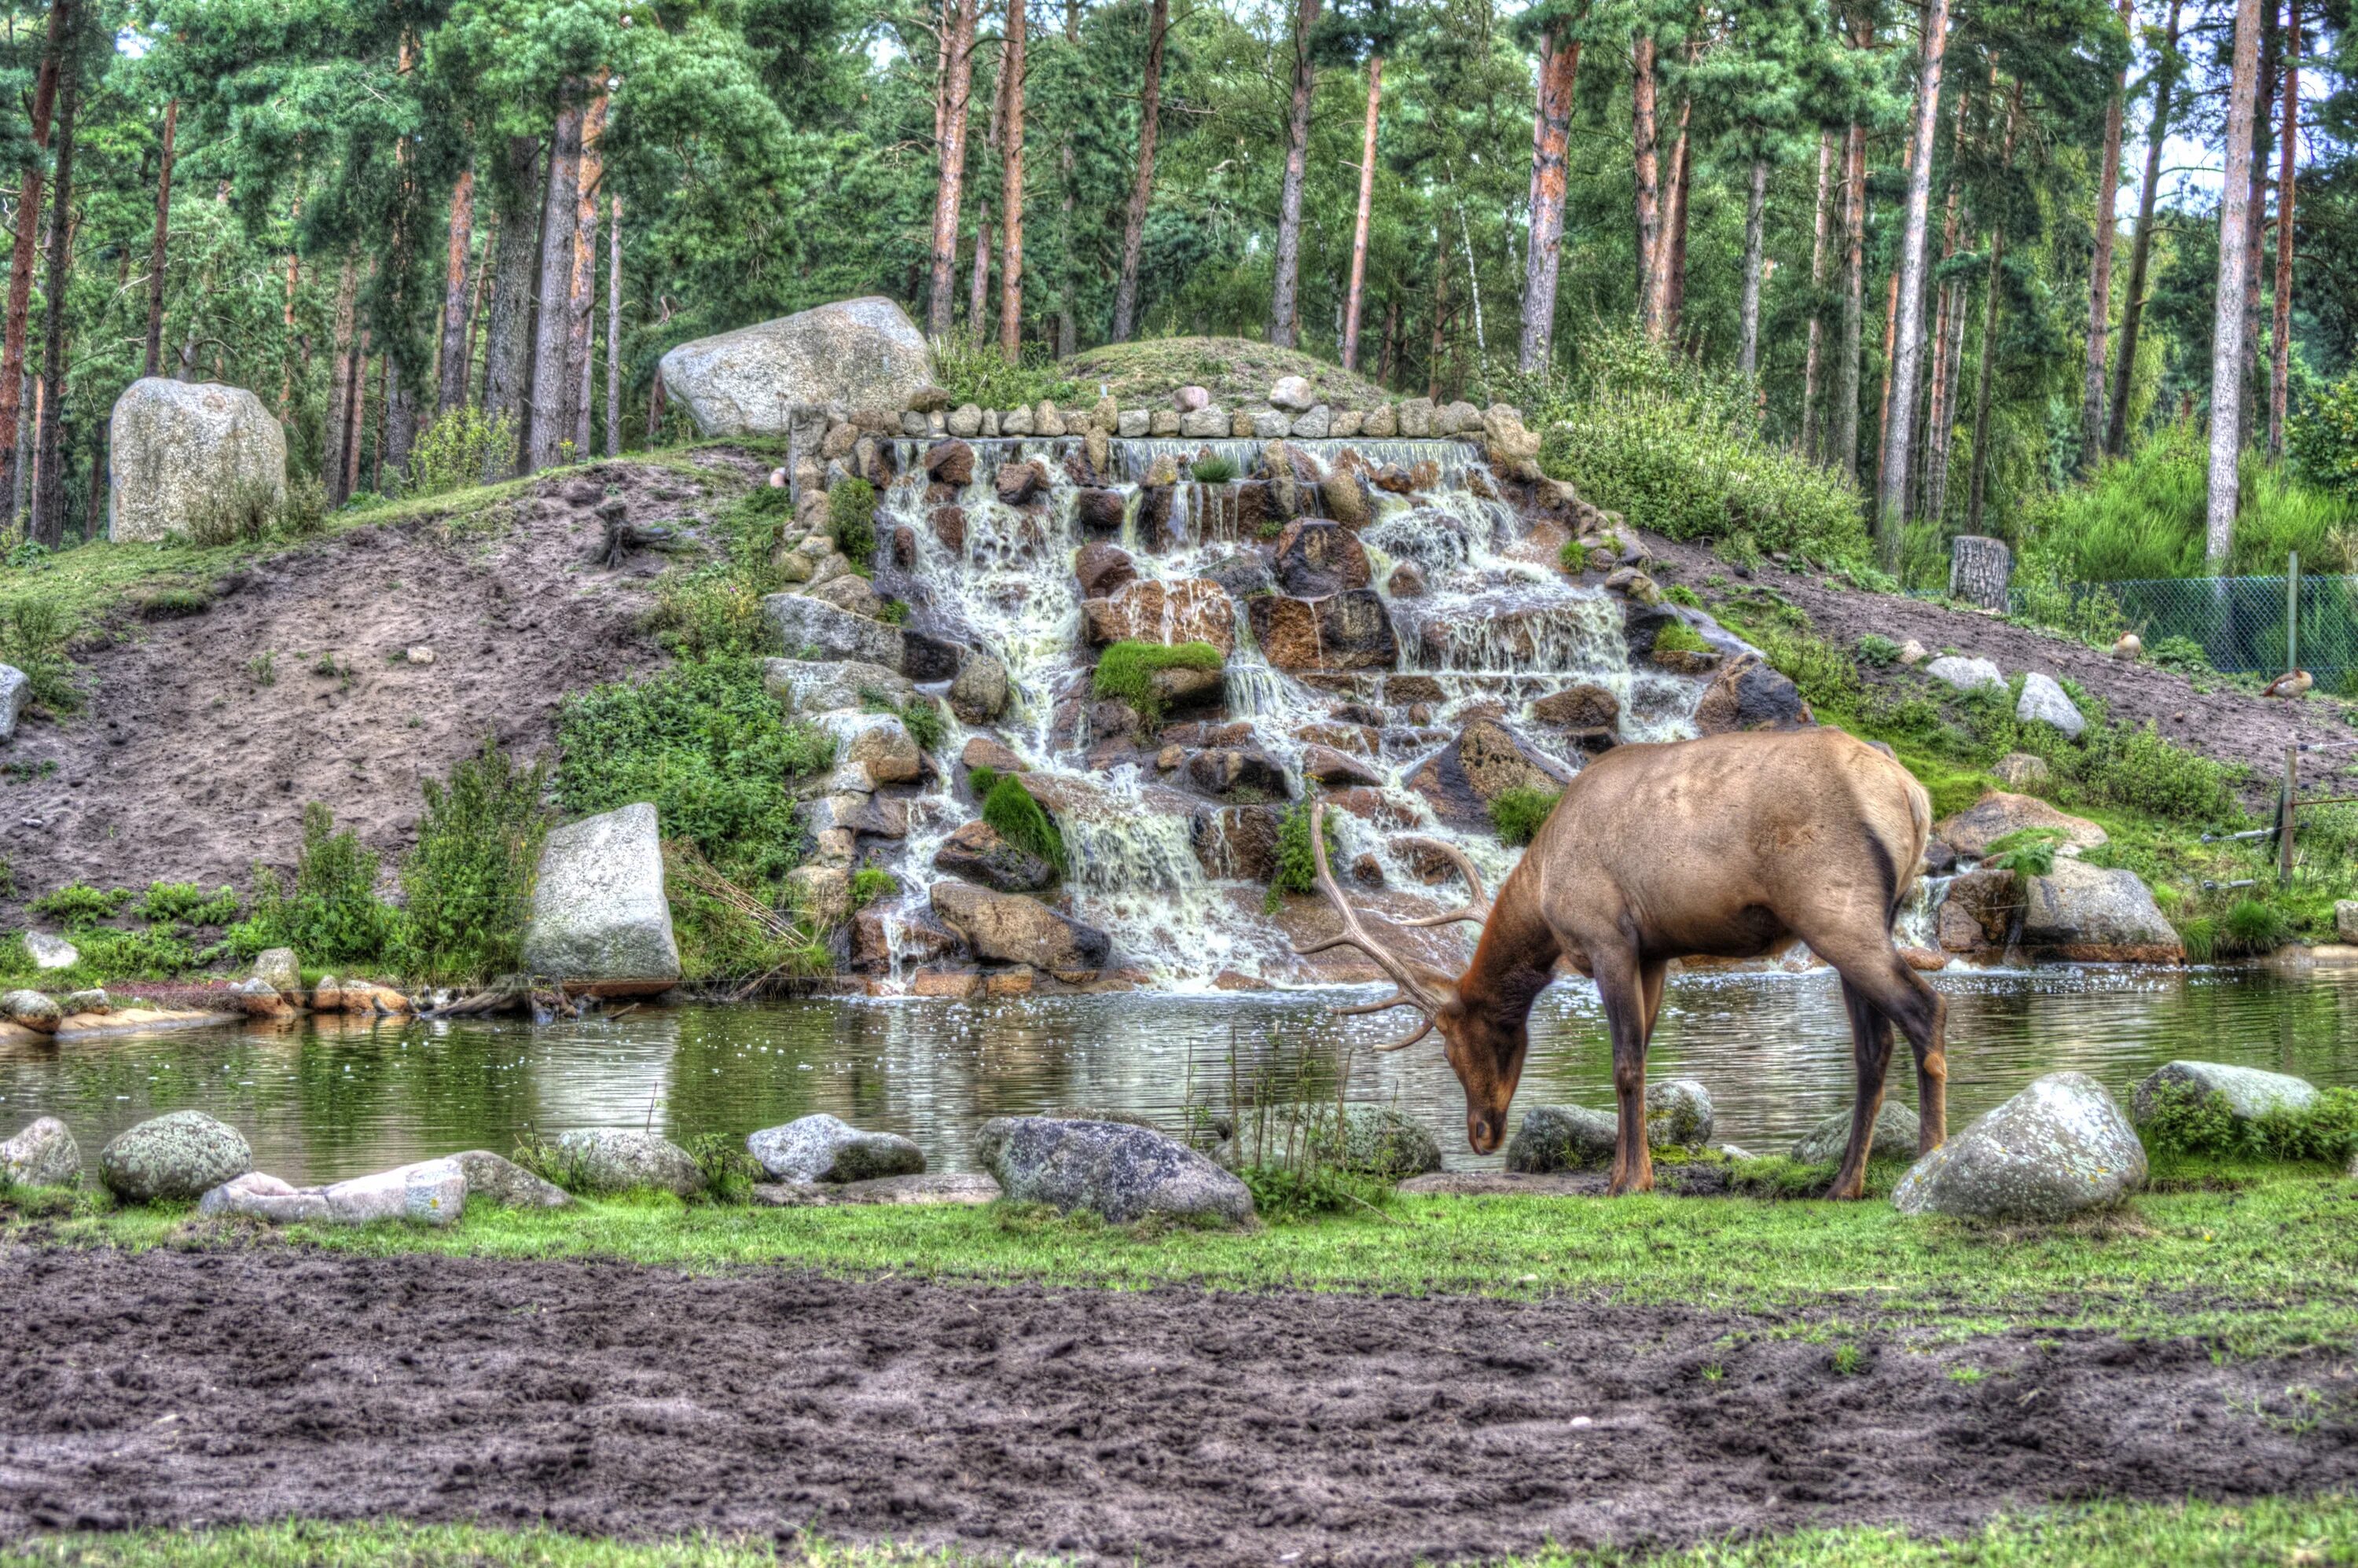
pixel 1979 569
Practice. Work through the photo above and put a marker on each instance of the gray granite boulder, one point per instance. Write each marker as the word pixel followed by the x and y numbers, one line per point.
pixel 865 354
pixel 95 1000
pixel 176 1157
pixel 2081 914
pixel 50 952
pixel 1896 1131
pixel 16 691
pixel 500 1183
pixel 2059 1147
pixel 431 1192
pixel 2044 702
pixel 811 629
pixel 2249 1092
pixel 1678 1113
pixel 43 1156
pixel 1968 673
pixel 1574 1138
pixel 176 448
pixel 825 686
pixel 600 920
pixel 1112 1169
pixel 276 968
pixel 951 1189
pixel 981 693
pixel 824 1149
pixel 607 1160
pixel 33 1010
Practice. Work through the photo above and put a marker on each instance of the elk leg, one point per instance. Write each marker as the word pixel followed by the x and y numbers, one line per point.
pixel 1906 999
pixel 1870 1037
pixel 1622 984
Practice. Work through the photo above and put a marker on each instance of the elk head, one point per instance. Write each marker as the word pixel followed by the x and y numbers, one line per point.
pixel 1484 1049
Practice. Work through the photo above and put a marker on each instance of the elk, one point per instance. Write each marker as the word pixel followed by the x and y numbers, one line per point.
pixel 1726 847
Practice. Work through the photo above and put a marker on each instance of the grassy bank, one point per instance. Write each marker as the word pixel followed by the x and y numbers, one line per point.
pixel 2316 1531
pixel 2254 1259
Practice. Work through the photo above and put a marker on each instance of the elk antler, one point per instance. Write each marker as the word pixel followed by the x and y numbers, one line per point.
pixel 1414 989
pixel 1477 909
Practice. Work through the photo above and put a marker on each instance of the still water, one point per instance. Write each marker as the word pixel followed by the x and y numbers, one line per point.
pixel 330 1098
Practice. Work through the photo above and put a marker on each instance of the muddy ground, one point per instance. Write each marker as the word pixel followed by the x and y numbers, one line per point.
pixel 177 1387
pixel 203 735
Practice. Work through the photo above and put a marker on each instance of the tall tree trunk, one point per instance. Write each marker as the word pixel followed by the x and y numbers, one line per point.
pixel 1364 215
pixel 2252 406
pixel 1391 342
pixel 1854 303
pixel 581 307
pixel 158 250
pixel 978 306
pixel 2280 322
pixel 615 326
pixel 1647 170
pixel 49 520
pixel 2100 266
pixel 1947 336
pixel 1284 308
pixel 458 281
pixel 355 412
pixel 1756 204
pixel 1142 185
pixel 2116 425
pixel 1068 279
pixel 1811 431
pixel 398 432
pixel 1551 142
pixel 13 377
pixel 1673 273
pixel 1010 191
pixel 546 424
pixel 339 388
pixel 2227 311
pixel 507 333
pixel 1994 301
pixel 286 375
pixel 1906 355
pixel 957 92
pixel 1440 316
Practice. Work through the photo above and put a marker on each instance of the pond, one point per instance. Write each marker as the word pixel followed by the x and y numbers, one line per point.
pixel 329 1098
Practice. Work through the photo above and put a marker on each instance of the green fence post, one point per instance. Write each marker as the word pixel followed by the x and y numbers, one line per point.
pixel 2292 612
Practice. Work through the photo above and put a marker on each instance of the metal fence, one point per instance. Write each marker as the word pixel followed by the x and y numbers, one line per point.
pixel 2239 622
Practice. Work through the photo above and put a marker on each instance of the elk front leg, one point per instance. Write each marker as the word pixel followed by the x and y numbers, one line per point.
pixel 1870 1037
pixel 1624 987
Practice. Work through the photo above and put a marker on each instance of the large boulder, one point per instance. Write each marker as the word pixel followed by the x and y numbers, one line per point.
pixel 431 1192
pixel 827 686
pixel 1968 674
pixel 1750 695
pixel 824 1149
pixel 981 693
pixel 2080 914
pixel 1347 631
pixel 1191 610
pixel 1316 558
pixel 500 1181
pixel 600 920
pixel 812 629
pixel 1894 1135
pixel 44 1156
pixel 865 354
pixel 176 1157
pixel 178 449
pixel 1972 831
pixel 2248 1092
pixel 2059 1147
pixel 1118 1171
pixel 1574 1138
pixel 1008 928
pixel 609 1159
pixel 258 1195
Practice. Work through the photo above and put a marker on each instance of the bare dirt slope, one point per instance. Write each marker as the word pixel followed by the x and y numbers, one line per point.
pixel 173 1388
pixel 204 735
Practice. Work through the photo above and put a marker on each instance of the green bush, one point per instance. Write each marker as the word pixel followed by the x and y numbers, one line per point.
pixel 331 914
pixel 2026 851
pixel 1679 593
pixel 730 1171
pixel 2251 927
pixel 184 901
pixel 33 636
pixel 2183 654
pixel 78 904
pixel 2180 1119
pixel 707 745
pixel 1678 637
pixel 921 715
pixel 1212 470
pixel 1013 812
pixel 851 520
pixel 1572 558
pixel 1297 867
pixel 461 449
pixel 238 515
pixel 1877 651
pixel 870 883
pixel 2323 437
pixel 1125 672
pixel 156 952
pixel 977 373
pixel 710 613
pixel 1517 814
pixel 467 883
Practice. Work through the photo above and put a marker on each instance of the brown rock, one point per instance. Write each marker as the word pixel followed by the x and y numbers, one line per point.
pixel 921 937
pixel 983 752
pixel 1191 610
pixel 1016 981
pixel 1399 689
pixel 1227 768
pixel 1358 739
pixel 1346 496
pixel 1347 631
pixel 1315 557
pixel 977 853
pixel 1980 909
pixel 1103 569
pixel 1237 842
pixel 1495 762
pixel 1973 831
pixel 1099 511
pixel 955 985
pixel 1016 483
pixel 1011 929
pixel 1373 805
pixel 1407 582
pixel 1750 695
pixel 950 462
pixel 1332 768
pixel 949 527
pixel 1578 707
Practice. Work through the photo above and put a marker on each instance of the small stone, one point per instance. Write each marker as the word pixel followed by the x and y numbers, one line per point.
pixel 278 966
pixel 1292 393
pixel 2021 770
pixel 1968 673
pixel 822 1148
pixel 965 421
pixel 1191 399
pixel 420 654
pixel 2044 701
pixel 1895 1135
pixel 1912 652
pixel 91 1001
pixel 1131 424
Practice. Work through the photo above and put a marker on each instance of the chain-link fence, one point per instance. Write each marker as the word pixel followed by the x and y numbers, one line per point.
pixel 2238 622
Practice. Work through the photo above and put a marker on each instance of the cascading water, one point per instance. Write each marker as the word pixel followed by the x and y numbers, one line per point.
pixel 1491 628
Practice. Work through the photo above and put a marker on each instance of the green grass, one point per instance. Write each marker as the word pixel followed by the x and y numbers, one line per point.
pixel 1238 372
pixel 1008 807
pixel 1517 814
pixel 1125 671
pixel 1678 637
pixel 2250 1258
pixel 391 1543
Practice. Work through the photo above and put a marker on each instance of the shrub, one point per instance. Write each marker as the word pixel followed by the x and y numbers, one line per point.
pixel 552 1162
pixel 2183 654
pixel 79 903
pixel 1875 651
pixel 184 901
pixel 156 952
pixel 1013 812
pixel 1126 672
pixel 1518 813
pixel 331 914
pixel 33 636
pixel 1572 558
pixel 870 883
pixel 174 603
pixel 467 883
pixel 2181 1119
pixel 727 934
pixel 921 715
pixel 2251 927
pixel 977 373
pixel 1212 470
pixel 461 449
pixel 730 1171
pixel 706 744
pixel 851 520
pixel 710 613
pixel 2026 851
pixel 1678 637
pixel 1297 867
pixel 1679 593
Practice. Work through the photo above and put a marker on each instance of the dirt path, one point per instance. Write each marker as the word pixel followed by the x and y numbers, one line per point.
pixel 175 1387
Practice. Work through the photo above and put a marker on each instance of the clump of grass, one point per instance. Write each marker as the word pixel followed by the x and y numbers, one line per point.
pixel 33 636
pixel 552 1162
pixel 174 603
pixel 1517 814
pixel 2026 851
pixel 1297 867
pixel 2183 654
pixel 977 373
pixel 1212 470
pixel 851 521
pixel 236 515
pixel 1875 651
pixel 1572 558
pixel 2252 926
pixel 184 901
pixel 870 883
pixel 1678 637
pixel 468 883
pixel 730 1171
pixel 2179 1118
pixel 921 715
pixel 79 903
pixel 1126 672
pixel 1679 593
pixel 1013 812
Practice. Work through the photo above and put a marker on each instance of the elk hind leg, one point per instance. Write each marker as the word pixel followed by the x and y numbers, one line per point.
pixel 1870 1036
pixel 1906 1000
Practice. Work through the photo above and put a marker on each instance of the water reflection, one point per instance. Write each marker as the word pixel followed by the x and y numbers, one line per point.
pixel 331 1098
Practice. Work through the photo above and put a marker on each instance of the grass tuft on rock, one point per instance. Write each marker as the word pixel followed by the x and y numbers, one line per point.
pixel 1011 812
pixel 1517 814
pixel 1126 672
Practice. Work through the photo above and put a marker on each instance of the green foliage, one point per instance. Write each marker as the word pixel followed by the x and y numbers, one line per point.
pixel 921 715
pixel 33 637
pixel 1292 1194
pixel 184 901
pixel 2253 927
pixel 2323 437
pixel 1517 814
pixel 1678 637
pixel 727 935
pixel 730 1171
pixel 707 745
pixel 467 883
pixel 1011 810
pixel 1572 558
pixel 978 374
pixel 1875 651
pixel 1674 445
pixel 871 882
pixel 1125 671
pixel 2183 654
pixel 1679 593
pixel 254 510
pixel 710 613
pixel 174 603
pixel 1297 866
pixel 458 449
pixel 552 1162
pixel 331 914
pixel 851 520
pixel 2026 851
pixel 2179 1118
pixel 79 903
pixel 1212 470
pixel 159 952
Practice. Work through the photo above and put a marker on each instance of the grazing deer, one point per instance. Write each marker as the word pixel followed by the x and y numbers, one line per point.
pixel 1727 847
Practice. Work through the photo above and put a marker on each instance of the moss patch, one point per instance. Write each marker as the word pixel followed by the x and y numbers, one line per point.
pixel 1126 672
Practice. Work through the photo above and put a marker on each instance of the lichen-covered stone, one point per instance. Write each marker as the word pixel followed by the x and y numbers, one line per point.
pixel 865 354
pixel 2081 914
pixel 2059 1147
pixel 599 920
pixel 43 1156
pixel 607 1160
pixel 16 691
pixel 822 1148
pixel 500 1183
pixel 825 685
pixel 32 1010
pixel 431 1192
pixel 175 448
pixel 1574 1138
pixel 813 628
pixel 1374 1141
pixel 1968 674
pixel 2249 1093
pixel 1893 1137
pixel 174 1157
pixel 1120 1171
pixel 277 969
pixel 2044 701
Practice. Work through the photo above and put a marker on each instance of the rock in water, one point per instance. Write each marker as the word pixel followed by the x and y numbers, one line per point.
pixel 178 449
pixel 978 852
pixel 865 354
pixel 610 1160
pixel 1009 929
pixel 2047 703
pixel 600 920
pixel 824 1149
pixel 176 1157
pixel 980 694
pixel 1111 1169
pixel 1893 1137
pixel 2081 914
pixel 2250 1093
pixel 502 1183
pixel 2059 1147
pixel 44 1156
pixel 431 1192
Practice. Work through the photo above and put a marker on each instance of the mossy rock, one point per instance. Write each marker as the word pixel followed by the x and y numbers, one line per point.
pixel 173 1158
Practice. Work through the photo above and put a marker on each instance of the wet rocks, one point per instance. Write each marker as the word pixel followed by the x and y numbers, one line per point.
pixel 808 628
pixel 980 694
pixel 2061 1147
pixel 1894 1135
pixel 1347 631
pixel 1980 911
pixel 43 1156
pixel 1221 770
pixel 1189 610
pixel 1009 929
pixel 1103 569
pixel 178 447
pixel 1574 1138
pixel 600 920
pixel 2044 702
pixel 1116 1171
pixel 2086 914
pixel 502 1183
pixel 1578 707
pixel 608 1160
pixel 1371 1140
pixel 1495 762
pixel 176 1157
pixel 950 462
pixel 1334 770
pixel 878 744
pixel 1237 842
pixel 1973 831
pixel 978 852
pixel 824 1149
pixel 1018 484
pixel 1315 558
pixel 865 354
pixel 2248 1094
pixel 1968 674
